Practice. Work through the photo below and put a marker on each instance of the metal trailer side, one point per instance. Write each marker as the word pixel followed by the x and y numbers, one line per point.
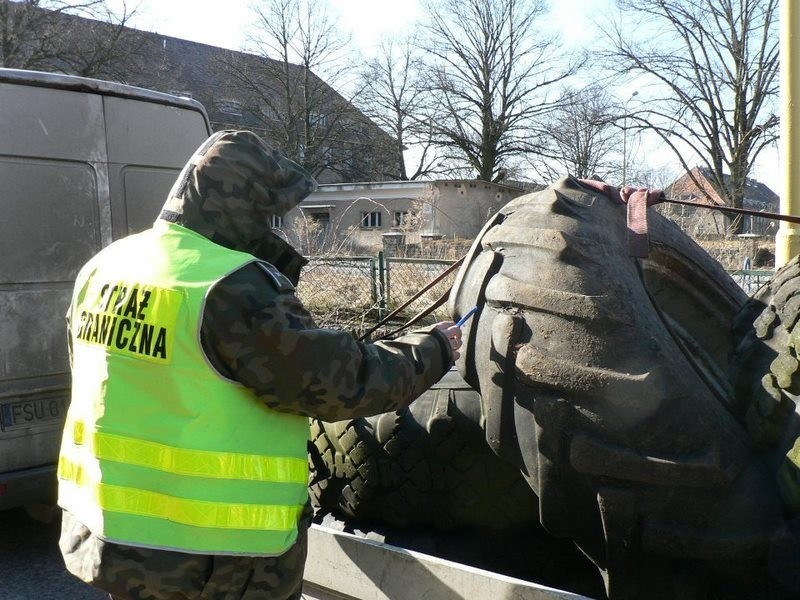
pixel 343 566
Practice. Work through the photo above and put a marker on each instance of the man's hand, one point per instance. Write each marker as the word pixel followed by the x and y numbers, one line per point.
pixel 453 333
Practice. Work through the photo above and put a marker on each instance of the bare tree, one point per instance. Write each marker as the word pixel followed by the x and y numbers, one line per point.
pixel 77 37
pixel 103 45
pixel 492 73
pixel 29 31
pixel 393 94
pixel 716 64
pixel 652 177
pixel 300 37
pixel 298 48
pixel 580 137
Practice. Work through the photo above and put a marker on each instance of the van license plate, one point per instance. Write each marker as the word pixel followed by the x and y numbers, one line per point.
pixel 28 413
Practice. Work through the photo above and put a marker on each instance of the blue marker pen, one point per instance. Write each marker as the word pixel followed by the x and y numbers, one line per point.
pixel 466 317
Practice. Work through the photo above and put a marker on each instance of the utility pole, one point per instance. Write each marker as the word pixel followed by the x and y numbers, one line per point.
pixel 787 240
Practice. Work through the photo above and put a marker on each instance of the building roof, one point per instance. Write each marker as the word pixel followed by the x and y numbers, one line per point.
pixel 757 195
pixel 236 90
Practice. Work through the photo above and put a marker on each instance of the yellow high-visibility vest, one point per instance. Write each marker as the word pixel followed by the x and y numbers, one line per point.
pixel 159 449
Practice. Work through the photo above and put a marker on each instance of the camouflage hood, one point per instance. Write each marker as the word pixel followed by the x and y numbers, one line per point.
pixel 230 189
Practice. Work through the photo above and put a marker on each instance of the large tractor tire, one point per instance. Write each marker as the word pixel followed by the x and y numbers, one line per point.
pixel 603 379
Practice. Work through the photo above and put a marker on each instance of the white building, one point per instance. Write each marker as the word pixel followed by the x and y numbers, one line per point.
pixel 370 215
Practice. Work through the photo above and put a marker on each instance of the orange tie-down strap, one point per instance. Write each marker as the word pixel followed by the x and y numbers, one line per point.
pixel 639 199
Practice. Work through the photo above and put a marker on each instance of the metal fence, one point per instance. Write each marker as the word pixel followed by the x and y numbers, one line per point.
pixel 751 279
pixel 354 292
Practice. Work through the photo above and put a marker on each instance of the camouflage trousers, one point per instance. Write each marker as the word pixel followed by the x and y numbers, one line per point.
pixel 129 573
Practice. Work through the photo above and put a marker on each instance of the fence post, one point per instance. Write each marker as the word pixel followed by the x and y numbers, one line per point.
pixel 382 287
pixel 373 279
pixel 387 281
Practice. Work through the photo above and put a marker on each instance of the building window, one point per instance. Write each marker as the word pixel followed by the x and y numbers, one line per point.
pixel 229 107
pixel 401 218
pixel 276 221
pixel 269 113
pixel 318 120
pixel 321 219
pixel 371 219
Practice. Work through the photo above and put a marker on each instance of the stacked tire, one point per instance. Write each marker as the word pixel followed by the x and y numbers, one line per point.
pixel 596 400
pixel 424 466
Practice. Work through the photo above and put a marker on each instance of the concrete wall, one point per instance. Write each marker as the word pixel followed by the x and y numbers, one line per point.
pixel 461 207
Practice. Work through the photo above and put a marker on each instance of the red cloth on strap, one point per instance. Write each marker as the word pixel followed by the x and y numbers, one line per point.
pixel 637 199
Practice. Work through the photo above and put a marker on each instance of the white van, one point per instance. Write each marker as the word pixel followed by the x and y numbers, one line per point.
pixel 82 162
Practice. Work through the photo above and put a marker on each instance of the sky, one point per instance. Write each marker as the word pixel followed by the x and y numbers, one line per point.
pixel 224 24
pixel 208 22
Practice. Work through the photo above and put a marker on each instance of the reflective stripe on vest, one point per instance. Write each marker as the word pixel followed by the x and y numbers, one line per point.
pixel 159 450
pixel 190 512
pixel 200 463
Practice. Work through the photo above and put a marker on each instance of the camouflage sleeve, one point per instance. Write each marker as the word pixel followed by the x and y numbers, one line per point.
pixel 263 337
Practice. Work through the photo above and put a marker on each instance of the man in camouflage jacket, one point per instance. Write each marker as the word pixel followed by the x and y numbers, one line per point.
pixel 256 331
